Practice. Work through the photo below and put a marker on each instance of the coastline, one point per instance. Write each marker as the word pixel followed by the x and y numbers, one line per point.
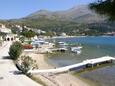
pixel 58 37
pixel 55 37
pixel 65 79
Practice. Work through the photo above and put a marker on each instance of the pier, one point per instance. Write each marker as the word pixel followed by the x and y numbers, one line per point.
pixel 83 64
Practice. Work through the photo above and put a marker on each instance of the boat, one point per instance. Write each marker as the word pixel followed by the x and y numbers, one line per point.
pixel 76 49
pixel 63 49
pixel 62 43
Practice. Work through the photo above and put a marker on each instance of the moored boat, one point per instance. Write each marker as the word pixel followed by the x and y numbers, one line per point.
pixel 76 49
pixel 62 43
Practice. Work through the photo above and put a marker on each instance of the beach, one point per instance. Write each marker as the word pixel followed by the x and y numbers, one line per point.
pixel 65 79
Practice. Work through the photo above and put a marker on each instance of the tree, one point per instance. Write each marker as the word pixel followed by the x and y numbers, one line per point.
pixel 15 50
pixel 104 7
pixel 28 33
pixel 49 34
pixel 22 39
pixel 15 30
pixel 27 63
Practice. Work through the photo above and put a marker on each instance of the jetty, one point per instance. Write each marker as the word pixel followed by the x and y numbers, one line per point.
pixel 83 64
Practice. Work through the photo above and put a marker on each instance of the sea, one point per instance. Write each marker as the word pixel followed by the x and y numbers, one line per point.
pixel 93 47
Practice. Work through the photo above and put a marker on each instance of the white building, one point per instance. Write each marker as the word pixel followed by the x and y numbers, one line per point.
pixel 1 38
pixel 2 26
pixel 9 36
pixel 4 29
pixel 63 34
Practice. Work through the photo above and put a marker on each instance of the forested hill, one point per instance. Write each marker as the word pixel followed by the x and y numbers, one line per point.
pixel 76 20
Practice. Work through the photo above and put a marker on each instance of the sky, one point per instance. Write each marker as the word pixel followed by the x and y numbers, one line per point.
pixel 11 9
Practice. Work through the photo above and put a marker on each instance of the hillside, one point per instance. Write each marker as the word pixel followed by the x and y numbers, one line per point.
pixel 80 14
pixel 78 20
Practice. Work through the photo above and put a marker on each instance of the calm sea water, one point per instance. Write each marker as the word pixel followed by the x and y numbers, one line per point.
pixel 93 47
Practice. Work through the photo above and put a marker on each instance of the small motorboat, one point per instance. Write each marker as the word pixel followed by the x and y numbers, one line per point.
pixel 76 49
pixel 62 43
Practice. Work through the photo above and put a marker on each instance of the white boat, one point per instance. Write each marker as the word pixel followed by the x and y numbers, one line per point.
pixel 76 49
pixel 62 43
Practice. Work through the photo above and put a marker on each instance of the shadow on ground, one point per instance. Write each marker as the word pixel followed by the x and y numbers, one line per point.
pixel 6 57
pixel 16 72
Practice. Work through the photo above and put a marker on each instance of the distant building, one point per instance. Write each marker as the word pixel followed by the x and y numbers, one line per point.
pixel 9 37
pixel 39 31
pixel 1 38
pixel 2 26
pixel 4 29
pixel 63 34
pixel 110 33
pixel 19 27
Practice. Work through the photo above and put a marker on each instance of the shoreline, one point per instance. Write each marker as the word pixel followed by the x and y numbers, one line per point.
pixel 65 79
pixel 58 37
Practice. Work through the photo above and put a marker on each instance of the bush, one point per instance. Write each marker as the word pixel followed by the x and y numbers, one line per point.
pixel 15 50
pixel 27 63
pixel 28 33
pixel 22 39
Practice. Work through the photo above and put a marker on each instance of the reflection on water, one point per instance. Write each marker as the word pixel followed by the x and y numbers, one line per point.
pixel 93 47
pixel 105 76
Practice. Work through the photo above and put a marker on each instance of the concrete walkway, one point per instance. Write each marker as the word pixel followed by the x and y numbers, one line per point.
pixel 73 67
pixel 8 71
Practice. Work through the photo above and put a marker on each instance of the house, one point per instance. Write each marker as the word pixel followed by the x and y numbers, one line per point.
pixel 1 40
pixel 2 26
pixel 63 34
pixel 9 36
pixel 4 29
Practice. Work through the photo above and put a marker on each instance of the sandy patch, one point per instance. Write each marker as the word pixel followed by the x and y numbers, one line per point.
pixel 65 79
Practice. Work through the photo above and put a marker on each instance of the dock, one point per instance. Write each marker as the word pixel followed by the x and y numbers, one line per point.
pixel 83 64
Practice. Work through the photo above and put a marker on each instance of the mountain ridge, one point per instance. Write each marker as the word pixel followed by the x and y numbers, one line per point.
pixel 74 21
pixel 71 14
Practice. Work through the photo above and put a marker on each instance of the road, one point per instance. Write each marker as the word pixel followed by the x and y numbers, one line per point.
pixel 8 75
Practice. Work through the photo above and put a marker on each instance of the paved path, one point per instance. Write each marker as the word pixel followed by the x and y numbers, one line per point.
pixel 8 75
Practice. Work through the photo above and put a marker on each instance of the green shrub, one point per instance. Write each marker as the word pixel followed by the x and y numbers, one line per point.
pixel 28 33
pixel 27 63
pixel 15 50
pixel 22 39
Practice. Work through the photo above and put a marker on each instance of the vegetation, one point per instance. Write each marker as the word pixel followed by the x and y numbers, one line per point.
pixel 27 63
pixel 28 33
pixel 104 7
pixel 15 30
pixel 15 50
pixel 2 34
pixel 22 39
pixel 84 23
pixel 56 27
